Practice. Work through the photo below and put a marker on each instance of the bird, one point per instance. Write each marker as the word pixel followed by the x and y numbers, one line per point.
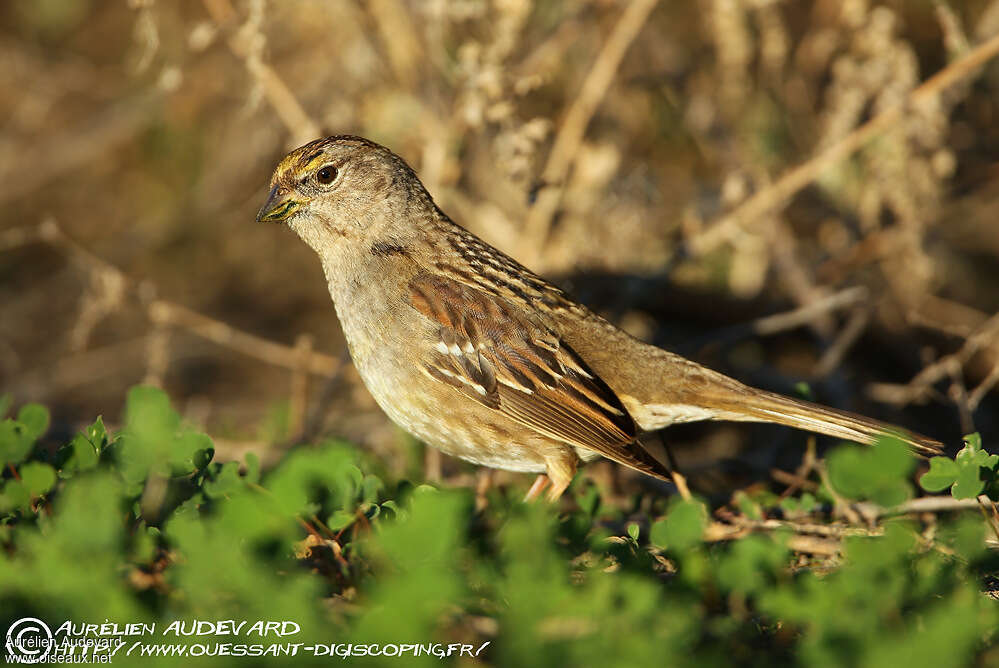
pixel 476 355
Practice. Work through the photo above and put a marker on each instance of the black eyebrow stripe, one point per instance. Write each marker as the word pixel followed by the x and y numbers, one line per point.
pixel 312 156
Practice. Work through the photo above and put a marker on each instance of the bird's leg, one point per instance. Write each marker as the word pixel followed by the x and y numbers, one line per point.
pixel 671 460
pixel 679 479
pixel 539 485
pixel 484 480
pixel 556 490
pixel 561 470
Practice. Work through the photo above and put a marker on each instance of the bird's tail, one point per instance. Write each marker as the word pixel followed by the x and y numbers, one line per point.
pixel 659 388
pixel 760 406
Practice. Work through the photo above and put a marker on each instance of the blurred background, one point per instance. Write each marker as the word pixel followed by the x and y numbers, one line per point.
pixel 636 153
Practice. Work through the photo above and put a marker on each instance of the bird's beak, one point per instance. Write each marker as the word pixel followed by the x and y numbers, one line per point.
pixel 278 207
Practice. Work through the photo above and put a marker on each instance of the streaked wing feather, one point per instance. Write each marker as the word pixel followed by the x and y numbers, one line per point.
pixel 497 354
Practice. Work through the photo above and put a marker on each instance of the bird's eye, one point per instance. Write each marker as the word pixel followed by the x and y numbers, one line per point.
pixel 326 175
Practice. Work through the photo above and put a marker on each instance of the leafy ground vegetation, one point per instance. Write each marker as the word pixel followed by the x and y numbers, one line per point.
pixel 143 526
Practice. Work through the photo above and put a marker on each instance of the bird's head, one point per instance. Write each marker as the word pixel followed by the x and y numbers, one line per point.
pixel 341 187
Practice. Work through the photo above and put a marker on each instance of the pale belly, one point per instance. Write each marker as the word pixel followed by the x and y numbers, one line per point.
pixel 444 418
pixel 434 412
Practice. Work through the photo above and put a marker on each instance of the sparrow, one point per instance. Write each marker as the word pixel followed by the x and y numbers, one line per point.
pixel 476 355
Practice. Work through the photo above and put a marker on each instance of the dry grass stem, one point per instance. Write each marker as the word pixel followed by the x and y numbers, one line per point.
pixel 807 314
pixel 858 321
pixel 300 125
pixel 769 199
pixel 164 314
pixel 919 387
pixel 573 127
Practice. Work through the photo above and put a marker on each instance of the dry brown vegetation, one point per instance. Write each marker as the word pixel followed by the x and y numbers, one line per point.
pixel 689 169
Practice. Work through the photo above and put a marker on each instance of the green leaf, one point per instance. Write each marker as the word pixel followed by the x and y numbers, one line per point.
pixel 35 419
pixel 252 476
pixel 340 519
pixel 203 457
pixel 809 502
pixel 97 434
pixel 144 545
pixel 659 534
pixel 634 531
pixel 942 474
pixel 972 469
pixel 312 474
pixel 83 455
pixel 973 455
pixel 148 440
pixel 83 452
pixel 17 437
pixel 190 452
pixel 14 445
pixel 747 506
pixel 966 535
pixel 15 494
pixel 790 505
pixel 750 564
pixel 37 477
pixel 969 484
pixel 225 481
pixel 970 473
pixel 370 488
pixel 148 412
pixel 879 473
pixel 682 528
pixel 804 390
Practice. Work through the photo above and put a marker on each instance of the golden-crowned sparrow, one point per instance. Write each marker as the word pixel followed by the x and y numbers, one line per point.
pixel 476 355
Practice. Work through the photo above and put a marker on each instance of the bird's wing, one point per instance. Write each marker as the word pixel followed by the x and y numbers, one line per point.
pixel 507 359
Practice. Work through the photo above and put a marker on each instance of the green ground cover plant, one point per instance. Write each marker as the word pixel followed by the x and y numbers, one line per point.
pixel 141 525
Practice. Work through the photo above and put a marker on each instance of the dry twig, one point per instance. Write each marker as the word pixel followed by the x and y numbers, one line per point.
pixel 767 200
pixel 163 313
pixel 278 94
pixel 808 313
pixel 573 127
pixel 847 336
pixel 918 388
